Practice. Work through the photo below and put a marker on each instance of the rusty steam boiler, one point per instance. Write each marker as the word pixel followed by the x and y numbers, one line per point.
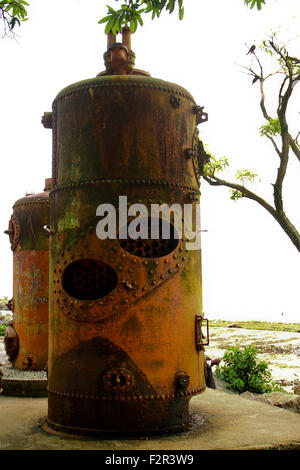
pixel 125 342
pixel 26 338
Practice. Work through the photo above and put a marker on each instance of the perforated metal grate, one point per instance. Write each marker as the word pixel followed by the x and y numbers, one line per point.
pixel 89 279
pixel 151 248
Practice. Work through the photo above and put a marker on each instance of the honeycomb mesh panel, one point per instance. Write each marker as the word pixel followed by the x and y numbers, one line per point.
pixel 89 279
pixel 151 248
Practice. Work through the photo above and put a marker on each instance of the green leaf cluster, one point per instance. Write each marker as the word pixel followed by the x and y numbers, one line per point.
pixel 13 12
pixel 244 372
pixel 245 175
pixel 252 3
pixel 215 165
pixel 235 195
pixel 131 13
pixel 127 14
pixel 272 128
pixel 2 329
pixel 290 66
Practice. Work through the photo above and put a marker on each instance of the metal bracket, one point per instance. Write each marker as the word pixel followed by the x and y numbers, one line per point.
pixel 201 340
pixel 47 120
pixel 182 380
pixel 201 116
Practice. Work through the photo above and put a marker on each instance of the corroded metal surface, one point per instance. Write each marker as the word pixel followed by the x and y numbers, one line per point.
pixel 123 357
pixel 119 58
pixel 30 246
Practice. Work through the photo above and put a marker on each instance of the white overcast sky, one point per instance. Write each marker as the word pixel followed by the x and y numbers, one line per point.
pixel 250 268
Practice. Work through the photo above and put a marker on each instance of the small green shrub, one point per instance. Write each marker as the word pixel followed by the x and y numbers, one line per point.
pixel 244 373
pixel 2 330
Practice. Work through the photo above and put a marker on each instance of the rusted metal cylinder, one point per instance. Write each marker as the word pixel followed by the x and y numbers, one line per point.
pixel 26 338
pixel 125 343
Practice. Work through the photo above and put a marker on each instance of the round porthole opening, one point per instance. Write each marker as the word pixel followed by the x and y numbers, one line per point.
pixel 89 279
pixel 166 242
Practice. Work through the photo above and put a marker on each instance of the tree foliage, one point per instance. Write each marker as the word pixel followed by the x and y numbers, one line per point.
pixel 131 12
pixel 12 13
pixel 243 372
pixel 275 129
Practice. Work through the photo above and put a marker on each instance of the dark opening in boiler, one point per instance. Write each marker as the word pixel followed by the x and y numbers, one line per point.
pixel 151 248
pixel 89 279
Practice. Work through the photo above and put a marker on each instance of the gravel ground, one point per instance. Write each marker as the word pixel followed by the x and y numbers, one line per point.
pixel 9 372
pixel 3 357
pixel 280 349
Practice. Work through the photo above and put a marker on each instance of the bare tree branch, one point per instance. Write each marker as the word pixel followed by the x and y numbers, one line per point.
pixel 262 102
pixel 278 126
pixel 295 147
pixel 281 217
pixel 274 144
pixel 215 181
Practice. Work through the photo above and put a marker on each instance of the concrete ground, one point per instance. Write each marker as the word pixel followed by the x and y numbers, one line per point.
pixel 222 421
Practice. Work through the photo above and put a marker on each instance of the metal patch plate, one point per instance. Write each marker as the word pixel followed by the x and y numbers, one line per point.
pixel 136 277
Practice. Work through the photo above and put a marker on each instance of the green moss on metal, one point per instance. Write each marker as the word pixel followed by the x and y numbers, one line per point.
pixel 70 218
pixel 109 80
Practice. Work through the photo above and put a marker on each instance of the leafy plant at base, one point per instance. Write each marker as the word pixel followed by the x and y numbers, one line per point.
pixel 244 373
pixel 2 330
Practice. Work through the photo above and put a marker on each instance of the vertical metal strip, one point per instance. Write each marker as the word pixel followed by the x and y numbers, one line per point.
pixel 54 145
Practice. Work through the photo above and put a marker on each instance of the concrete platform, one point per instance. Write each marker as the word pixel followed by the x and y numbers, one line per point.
pixel 225 422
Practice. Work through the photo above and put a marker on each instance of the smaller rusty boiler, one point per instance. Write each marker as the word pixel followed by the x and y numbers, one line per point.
pixel 26 337
pixel 126 346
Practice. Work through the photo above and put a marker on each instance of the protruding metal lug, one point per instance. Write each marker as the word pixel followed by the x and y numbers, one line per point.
pixel 182 380
pixel 47 120
pixel 201 116
pixel 48 184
